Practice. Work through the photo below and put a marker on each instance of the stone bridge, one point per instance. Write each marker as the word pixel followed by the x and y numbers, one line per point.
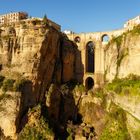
pixel 90 56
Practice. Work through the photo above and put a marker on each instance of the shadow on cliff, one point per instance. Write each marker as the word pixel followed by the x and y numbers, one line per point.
pixel 26 102
pixel 61 107
pixel 59 63
pixel 60 102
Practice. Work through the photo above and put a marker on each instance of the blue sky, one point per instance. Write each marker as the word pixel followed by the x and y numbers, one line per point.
pixel 78 15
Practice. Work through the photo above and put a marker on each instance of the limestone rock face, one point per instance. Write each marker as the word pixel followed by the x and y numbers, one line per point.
pixel 92 113
pixel 40 54
pixel 123 59
pixel 68 55
pixel 36 127
pixel 9 113
pixel 53 99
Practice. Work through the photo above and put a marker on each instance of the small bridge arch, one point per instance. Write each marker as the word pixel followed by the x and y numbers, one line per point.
pixel 89 83
pixel 77 39
pixel 105 38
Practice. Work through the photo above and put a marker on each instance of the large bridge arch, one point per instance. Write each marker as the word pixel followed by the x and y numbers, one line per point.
pixel 90 56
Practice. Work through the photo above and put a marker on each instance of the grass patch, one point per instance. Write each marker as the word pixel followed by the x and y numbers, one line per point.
pixel 37 127
pixel 125 86
pixel 135 31
pixel 8 85
pixel 115 128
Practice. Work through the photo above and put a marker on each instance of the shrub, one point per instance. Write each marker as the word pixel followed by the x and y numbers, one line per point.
pixel 8 85
pixel 115 128
pixel 38 128
pixel 20 84
pixel 136 30
pixel 128 85
pixel 1 80
pixel 45 20
pixel 36 21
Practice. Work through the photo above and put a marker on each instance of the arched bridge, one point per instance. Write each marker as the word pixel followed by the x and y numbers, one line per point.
pixel 90 56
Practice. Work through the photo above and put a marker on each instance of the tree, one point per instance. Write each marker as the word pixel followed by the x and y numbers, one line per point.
pixel 45 20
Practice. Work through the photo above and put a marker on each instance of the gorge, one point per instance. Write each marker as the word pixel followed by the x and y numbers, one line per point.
pixel 68 86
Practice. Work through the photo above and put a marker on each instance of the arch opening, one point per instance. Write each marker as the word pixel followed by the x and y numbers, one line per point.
pixel 90 57
pixel 89 83
pixel 105 38
pixel 77 39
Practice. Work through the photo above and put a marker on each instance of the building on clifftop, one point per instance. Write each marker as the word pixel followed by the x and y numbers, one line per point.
pixel 130 24
pixel 12 17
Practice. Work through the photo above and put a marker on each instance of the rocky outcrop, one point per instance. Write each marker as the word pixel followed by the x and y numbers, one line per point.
pixel 41 55
pixel 93 113
pixel 37 126
pixel 122 55
pixel 68 55
pixel 129 103
pixel 9 113
pixel 38 53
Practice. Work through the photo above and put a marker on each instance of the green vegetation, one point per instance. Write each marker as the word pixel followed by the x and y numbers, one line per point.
pixel 117 40
pixel 136 134
pixel 3 98
pixel 115 128
pixel 19 84
pixel 8 85
pixel 134 127
pixel 125 86
pixel 37 127
pixel 39 131
pixel 12 84
pixel 36 22
pixel 45 20
pixel 121 55
pixel 122 52
pixel 1 80
pixel 71 134
pixel 80 88
pixel 135 31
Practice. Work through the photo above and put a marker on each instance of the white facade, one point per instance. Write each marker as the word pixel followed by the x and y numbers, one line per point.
pixel 12 17
pixel 133 22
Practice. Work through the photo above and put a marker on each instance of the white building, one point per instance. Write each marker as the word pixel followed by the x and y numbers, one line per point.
pixel 132 22
pixel 12 17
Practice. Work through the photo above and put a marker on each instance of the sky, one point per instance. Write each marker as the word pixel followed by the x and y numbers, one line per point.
pixel 78 15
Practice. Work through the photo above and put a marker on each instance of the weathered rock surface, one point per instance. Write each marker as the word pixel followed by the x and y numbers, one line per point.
pixel 92 113
pixel 122 58
pixel 41 54
pixel 9 113
pixel 38 53
pixel 129 104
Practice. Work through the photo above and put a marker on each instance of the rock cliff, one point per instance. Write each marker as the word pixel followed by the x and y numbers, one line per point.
pixel 37 53
pixel 122 55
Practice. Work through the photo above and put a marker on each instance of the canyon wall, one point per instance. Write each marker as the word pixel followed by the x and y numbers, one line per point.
pixel 32 55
